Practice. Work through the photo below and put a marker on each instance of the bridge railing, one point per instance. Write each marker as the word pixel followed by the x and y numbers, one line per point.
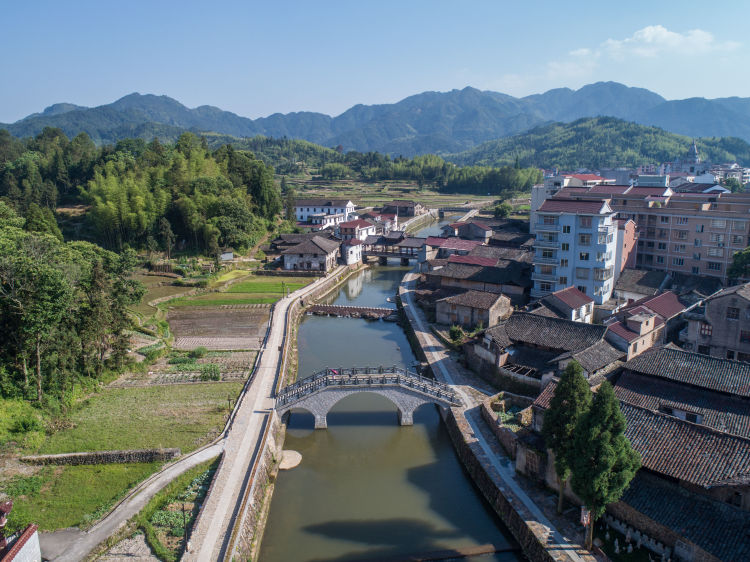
pixel 364 376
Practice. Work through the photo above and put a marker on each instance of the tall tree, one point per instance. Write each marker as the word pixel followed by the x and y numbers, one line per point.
pixel 570 402
pixel 602 461
pixel 167 236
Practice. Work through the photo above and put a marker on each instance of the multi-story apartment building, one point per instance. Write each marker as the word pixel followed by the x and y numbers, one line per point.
pixel 552 184
pixel 575 246
pixel 691 233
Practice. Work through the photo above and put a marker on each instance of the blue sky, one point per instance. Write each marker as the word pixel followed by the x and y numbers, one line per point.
pixel 258 58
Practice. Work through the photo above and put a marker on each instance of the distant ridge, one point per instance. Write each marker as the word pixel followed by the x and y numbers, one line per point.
pixel 436 122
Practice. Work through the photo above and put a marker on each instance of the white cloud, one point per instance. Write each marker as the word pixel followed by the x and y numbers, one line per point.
pixel 656 40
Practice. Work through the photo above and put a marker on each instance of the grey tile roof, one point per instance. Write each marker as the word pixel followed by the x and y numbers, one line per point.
pixel 721 375
pixel 321 202
pixel 729 414
pixel 692 515
pixel 687 451
pixel 642 282
pixel 554 333
pixel 597 356
pixel 505 272
pixel 315 245
pixel 476 299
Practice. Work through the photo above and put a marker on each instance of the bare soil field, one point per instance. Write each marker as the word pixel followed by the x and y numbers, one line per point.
pixel 229 327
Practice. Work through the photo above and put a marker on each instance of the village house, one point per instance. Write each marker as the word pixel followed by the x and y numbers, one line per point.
pixel 635 284
pixel 505 277
pixel 359 229
pixel 305 209
pixel 351 251
pixel 471 309
pixel 471 230
pixel 530 349
pixel 403 208
pixel 569 304
pixel 285 241
pixel 314 254
pixel 721 328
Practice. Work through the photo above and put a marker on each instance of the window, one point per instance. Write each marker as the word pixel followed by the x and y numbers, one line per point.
pixel 582 289
pixel 662 246
pixel 697 243
pixel 718 223
pixel 716 252
pixel 545 287
pixel 564 262
pixel 565 247
pixel 743 356
pixel 585 222
pixel 699 228
pixel 649 244
pixel 664 219
pixel 733 313
pixel 548 254
pixel 704 350
pixel 714 266
pixel 738 239
pixel 692 418
pixel 706 329
pixel 549 219
pixel 583 256
pixel 682 220
pixel 695 270
pixel 660 259
pixel 564 281
pixel 635 347
pixel 730 354
pixel 718 238
pixel 678 261
pixel 679 248
pixel 739 226
pixel 744 336
pixel 681 234
pixel 582 273
pixel 566 229
pixel 584 239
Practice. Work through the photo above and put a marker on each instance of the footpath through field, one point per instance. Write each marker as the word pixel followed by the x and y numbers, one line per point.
pixel 239 444
pixel 445 369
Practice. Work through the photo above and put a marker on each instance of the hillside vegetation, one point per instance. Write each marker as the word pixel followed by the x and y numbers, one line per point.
pixel 599 142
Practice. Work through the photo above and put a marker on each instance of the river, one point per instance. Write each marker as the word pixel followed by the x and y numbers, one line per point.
pixel 367 488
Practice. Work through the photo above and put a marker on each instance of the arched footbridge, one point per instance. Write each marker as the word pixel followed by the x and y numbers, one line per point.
pixel 320 392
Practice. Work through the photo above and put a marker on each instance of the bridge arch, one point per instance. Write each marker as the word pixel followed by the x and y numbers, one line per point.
pixel 407 391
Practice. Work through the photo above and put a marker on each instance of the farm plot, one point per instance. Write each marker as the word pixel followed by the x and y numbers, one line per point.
pixel 231 366
pixel 226 327
pixel 157 286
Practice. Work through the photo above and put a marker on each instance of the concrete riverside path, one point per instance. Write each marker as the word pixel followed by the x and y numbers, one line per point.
pixel 445 369
pixel 239 445
pixel 210 537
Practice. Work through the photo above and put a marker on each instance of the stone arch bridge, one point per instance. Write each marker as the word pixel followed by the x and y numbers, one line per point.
pixel 320 392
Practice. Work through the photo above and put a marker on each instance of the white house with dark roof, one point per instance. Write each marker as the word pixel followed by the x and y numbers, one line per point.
pixel 575 245
pixel 314 254
pixel 571 304
pixel 306 209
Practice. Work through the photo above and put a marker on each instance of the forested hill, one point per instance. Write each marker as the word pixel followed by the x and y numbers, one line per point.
pixel 429 122
pixel 600 142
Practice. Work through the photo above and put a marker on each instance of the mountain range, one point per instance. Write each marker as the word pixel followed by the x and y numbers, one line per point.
pixel 430 122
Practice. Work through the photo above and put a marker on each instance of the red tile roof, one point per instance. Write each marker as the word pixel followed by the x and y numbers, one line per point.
pixel 665 305
pixel 359 223
pixel 561 205
pixel 573 297
pixel 436 241
pixel 621 328
pixel 460 244
pixel 609 189
pixel 472 260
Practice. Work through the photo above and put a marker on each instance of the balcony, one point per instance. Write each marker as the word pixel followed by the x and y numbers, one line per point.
pixel 601 275
pixel 548 261
pixel 542 243
pixel 544 276
pixel 540 226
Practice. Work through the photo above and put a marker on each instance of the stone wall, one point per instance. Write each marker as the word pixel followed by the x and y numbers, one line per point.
pixel 105 457
pixel 506 437
pixel 531 536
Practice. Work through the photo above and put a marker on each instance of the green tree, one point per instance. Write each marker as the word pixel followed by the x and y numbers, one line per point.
pixel 167 236
pixel 503 210
pixel 570 402
pixel 740 268
pixel 733 185
pixel 602 461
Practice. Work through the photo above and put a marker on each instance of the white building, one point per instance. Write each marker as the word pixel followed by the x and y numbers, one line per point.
pixel 315 254
pixel 351 251
pixel 575 246
pixel 304 209
pixel 540 193
pixel 359 229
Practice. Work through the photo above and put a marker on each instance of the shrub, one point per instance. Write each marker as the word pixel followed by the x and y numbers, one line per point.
pixel 210 372
pixel 456 333
pixel 198 352
pixel 180 360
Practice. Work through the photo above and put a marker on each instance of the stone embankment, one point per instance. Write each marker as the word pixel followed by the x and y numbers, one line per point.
pixel 105 457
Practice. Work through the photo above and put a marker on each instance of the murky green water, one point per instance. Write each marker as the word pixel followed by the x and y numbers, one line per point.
pixel 367 488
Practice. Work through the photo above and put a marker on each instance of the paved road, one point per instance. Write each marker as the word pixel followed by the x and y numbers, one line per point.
pixel 438 357
pixel 71 545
